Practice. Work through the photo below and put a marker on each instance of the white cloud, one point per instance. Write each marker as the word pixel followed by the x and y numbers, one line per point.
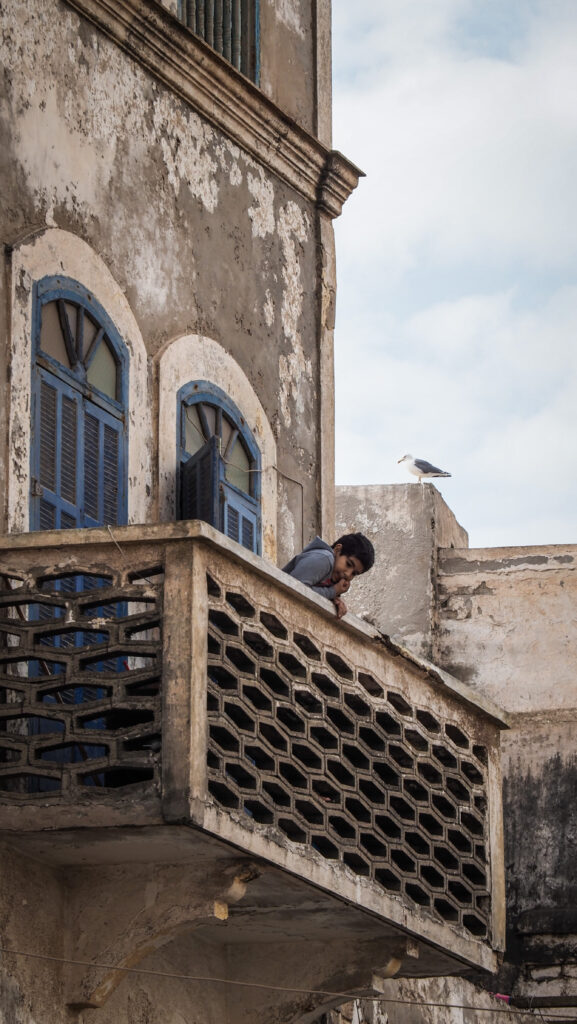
pixel 457 296
pixel 460 150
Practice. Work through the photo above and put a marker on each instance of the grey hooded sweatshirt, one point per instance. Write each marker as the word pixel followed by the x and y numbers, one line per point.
pixel 314 565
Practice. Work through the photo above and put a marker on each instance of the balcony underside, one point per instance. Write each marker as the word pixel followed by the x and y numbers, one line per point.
pixel 277 907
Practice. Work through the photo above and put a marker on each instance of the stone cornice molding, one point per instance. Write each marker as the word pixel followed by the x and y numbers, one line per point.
pixel 228 100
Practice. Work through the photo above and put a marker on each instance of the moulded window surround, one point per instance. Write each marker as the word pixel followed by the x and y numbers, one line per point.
pixel 53 253
pixel 198 358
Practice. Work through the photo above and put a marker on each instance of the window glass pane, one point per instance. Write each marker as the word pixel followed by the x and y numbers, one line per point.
pixel 102 371
pixel 237 467
pixel 193 436
pixel 227 429
pixel 51 339
pixel 90 331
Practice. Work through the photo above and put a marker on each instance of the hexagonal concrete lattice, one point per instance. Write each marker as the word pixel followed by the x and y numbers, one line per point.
pixel 336 760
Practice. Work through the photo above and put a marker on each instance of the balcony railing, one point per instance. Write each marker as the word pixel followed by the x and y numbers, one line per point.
pixel 163 674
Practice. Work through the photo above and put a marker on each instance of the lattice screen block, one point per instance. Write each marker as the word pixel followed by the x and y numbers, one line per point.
pixel 80 681
pixel 322 751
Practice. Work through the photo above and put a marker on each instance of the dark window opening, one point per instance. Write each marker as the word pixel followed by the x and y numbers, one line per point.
pixel 231 27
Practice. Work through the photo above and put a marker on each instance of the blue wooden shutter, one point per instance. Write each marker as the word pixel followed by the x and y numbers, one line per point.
pixel 240 516
pixel 206 495
pixel 231 27
pixel 79 460
pixel 58 432
pixel 103 475
pixel 199 496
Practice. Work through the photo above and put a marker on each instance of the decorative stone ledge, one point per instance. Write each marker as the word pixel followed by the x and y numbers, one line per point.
pixel 216 91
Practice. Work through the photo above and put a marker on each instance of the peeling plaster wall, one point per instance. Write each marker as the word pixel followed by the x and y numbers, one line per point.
pixel 427 1001
pixel 151 1000
pixel 31 918
pixel 287 66
pixel 509 627
pixel 509 623
pixel 198 237
pixel 296 61
pixel 540 766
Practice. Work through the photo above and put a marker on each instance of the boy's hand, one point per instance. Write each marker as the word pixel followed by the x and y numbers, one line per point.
pixel 340 607
pixel 341 587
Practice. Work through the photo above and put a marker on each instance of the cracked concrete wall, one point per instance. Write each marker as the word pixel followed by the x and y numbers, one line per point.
pixel 199 237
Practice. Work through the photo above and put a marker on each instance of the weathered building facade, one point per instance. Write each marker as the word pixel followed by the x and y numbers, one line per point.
pixel 150 185
pixel 217 803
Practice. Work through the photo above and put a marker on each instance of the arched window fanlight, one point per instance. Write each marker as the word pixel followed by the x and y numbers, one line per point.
pixel 71 336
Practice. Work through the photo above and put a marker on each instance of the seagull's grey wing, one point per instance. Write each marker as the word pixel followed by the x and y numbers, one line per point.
pixel 426 467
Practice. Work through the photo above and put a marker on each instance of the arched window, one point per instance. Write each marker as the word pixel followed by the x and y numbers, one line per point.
pixel 78 417
pixel 219 464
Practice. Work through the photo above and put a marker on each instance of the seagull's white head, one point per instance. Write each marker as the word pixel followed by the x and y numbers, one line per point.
pixel 405 458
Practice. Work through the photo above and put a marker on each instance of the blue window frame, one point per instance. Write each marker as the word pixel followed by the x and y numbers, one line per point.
pixel 78 452
pixel 79 388
pixel 231 27
pixel 220 466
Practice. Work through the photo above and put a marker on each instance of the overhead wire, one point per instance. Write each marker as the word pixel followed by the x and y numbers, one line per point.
pixel 207 979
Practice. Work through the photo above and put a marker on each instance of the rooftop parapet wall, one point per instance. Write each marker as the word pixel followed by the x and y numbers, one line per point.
pixel 407 524
pixel 193 684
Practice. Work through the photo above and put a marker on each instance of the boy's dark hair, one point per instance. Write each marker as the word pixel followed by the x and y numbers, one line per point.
pixel 359 546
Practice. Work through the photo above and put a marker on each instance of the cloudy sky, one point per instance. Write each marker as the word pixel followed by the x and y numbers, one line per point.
pixel 457 256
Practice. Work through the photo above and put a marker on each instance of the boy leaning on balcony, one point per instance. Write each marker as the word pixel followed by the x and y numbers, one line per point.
pixel 329 571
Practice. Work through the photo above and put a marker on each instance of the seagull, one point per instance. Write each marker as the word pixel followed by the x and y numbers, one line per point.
pixel 420 468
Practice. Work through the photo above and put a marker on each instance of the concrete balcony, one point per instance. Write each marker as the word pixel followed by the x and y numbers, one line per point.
pixel 170 702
